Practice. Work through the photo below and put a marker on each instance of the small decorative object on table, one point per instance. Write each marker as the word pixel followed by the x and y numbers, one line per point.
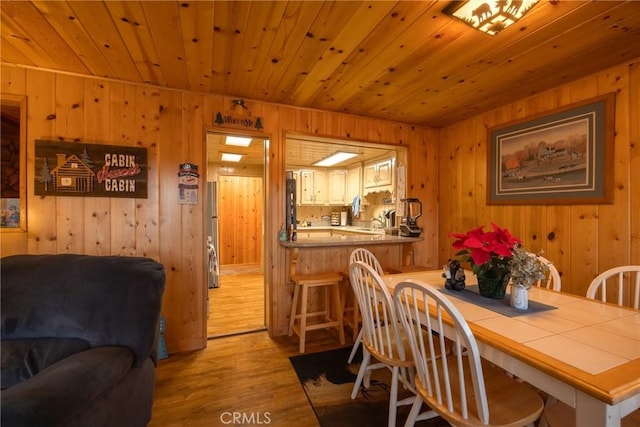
pixel 454 273
pixel 526 268
pixel 519 297
pixel 489 254
pixel 497 257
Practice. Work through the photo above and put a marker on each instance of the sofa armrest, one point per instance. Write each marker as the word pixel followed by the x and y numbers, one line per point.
pixel 66 387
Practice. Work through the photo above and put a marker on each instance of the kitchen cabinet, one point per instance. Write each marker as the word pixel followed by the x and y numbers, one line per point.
pixel 378 174
pixel 320 188
pixel 307 195
pixel 337 187
pixel 305 233
pixel 354 187
pixel 296 177
pixel 313 187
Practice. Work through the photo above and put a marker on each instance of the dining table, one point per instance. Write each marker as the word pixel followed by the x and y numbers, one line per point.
pixel 583 352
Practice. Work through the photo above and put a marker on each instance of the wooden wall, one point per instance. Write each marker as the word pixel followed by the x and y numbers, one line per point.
pixel 172 126
pixel 240 214
pixel 581 240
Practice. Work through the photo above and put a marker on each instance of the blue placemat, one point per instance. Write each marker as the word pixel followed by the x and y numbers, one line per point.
pixel 499 305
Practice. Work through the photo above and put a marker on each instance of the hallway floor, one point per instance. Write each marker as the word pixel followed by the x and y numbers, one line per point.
pixel 237 305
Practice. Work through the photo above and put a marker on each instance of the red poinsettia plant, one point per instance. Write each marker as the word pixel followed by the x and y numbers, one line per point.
pixel 488 252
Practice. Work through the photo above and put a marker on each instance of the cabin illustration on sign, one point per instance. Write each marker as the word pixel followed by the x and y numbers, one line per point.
pixel 72 175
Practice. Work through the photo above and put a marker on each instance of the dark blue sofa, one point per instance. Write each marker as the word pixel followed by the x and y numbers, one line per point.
pixel 79 339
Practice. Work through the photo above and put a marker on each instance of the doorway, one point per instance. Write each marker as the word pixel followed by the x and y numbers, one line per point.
pixel 236 218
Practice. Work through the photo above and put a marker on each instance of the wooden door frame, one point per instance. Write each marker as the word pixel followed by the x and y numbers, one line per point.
pixel 265 214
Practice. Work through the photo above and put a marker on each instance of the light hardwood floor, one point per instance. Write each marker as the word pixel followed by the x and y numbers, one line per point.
pixel 237 305
pixel 248 375
pixel 240 374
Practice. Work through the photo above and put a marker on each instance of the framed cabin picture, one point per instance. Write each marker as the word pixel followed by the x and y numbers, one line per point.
pixel 561 157
pixel 90 170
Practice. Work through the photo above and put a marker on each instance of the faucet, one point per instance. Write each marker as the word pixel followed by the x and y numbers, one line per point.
pixel 378 219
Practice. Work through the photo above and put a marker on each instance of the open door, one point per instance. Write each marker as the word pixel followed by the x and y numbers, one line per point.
pixel 235 218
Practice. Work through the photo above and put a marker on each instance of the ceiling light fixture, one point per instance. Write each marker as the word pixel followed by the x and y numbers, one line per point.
pixel 488 16
pixel 334 159
pixel 229 157
pixel 237 141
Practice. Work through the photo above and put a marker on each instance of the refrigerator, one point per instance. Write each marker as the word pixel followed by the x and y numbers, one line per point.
pixel 213 266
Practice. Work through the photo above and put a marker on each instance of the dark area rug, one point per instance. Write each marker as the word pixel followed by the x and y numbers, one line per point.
pixel 328 380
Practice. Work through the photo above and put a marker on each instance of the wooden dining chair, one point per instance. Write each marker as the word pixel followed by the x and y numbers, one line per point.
pixel 625 285
pixel 382 338
pixel 552 280
pixel 458 386
pixel 366 256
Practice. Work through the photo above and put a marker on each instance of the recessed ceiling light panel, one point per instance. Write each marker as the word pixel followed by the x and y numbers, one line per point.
pixel 335 158
pixel 230 157
pixel 238 141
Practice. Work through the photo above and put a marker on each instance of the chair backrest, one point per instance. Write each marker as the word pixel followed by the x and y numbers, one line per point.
pixel 381 331
pixel 364 255
pixel 624 274
pixel 553 276
pixel 441 374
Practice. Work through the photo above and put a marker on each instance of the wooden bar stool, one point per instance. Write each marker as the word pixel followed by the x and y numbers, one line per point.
pixel 351 310
pixel 331 283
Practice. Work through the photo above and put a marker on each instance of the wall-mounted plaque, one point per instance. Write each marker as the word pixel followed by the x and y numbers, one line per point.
pixel 90 170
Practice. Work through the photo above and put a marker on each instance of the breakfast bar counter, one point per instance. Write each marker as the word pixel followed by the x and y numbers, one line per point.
pixel 327 249
pixel 344 236
pixel 319 252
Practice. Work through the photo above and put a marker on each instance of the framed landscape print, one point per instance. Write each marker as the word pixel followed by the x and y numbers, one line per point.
pixel 561 157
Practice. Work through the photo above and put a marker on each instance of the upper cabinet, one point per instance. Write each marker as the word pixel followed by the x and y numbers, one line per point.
pixel 321 188
pixel 379 178
pixel 308 187
pixel 337 187
pixel 371 169
pixel 378 174
pixel 354 183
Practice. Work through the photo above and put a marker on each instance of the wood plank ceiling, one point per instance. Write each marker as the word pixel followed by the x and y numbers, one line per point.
pixel 402 61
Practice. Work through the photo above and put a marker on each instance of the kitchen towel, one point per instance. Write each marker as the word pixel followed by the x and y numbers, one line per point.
pixel 355 206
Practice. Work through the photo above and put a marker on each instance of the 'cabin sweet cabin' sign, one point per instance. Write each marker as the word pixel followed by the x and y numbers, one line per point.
pixel 90 170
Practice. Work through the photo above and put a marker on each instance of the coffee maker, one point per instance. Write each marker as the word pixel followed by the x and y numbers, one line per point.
pixel 409 223
pixel 390 218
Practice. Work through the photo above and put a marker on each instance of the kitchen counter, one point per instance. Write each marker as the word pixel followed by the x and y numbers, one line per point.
pixel 351 238
pixel 327 249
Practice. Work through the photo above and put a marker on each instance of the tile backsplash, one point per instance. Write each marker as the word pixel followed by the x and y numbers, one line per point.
pixel 320 216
